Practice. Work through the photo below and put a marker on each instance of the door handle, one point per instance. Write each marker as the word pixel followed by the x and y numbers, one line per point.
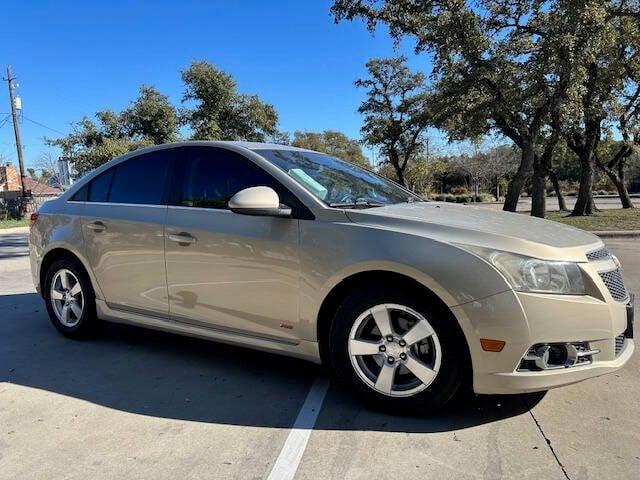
pixel 182 238
pixel 97 226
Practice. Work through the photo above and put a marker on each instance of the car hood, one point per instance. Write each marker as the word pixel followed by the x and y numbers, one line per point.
pixel 483 227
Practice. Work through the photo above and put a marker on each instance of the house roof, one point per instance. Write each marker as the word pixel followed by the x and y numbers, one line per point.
pixel 39 187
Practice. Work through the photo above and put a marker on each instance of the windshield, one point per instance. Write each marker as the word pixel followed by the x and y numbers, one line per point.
pixel 336 182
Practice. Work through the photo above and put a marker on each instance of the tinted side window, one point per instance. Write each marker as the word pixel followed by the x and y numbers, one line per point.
pixel 140 180
pixel 99 188
pixel 81 195
pixel 210 177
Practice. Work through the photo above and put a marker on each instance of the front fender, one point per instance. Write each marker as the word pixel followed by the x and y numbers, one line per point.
pixel 331 252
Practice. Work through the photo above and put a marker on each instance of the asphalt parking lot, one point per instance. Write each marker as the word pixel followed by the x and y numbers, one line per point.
pixel 141 404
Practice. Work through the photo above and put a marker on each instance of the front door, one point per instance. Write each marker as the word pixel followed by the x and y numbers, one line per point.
pixel 123 228
pixel 225 270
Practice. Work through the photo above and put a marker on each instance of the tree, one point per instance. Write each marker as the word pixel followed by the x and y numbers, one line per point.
pixel 484 168
pixel 47 163
pixel 152 117
pixel 220 112
pixel 628 125
pixel 332 143
pixel 603 94
pixel 501 65
pixel 396 111
pixel 93 143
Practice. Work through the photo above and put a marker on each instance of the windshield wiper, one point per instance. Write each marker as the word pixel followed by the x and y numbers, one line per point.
pixel 359 203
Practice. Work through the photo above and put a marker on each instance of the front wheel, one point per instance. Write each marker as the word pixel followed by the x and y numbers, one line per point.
pixel 401 354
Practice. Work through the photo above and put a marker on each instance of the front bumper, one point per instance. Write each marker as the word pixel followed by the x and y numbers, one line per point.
pixel 525 319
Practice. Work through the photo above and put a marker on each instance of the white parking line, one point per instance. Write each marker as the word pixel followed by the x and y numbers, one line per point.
pixel 287 463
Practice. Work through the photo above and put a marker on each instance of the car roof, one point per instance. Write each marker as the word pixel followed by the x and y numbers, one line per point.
pixel 222 143
pixel 264 146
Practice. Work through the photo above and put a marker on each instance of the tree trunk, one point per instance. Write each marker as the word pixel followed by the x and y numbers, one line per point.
pixel 517 182
pixel 584 203
pixel 539 193
pixel 618 181
pixel 562 204
pixel 400 175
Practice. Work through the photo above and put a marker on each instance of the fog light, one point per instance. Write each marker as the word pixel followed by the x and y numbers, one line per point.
pixel 550 356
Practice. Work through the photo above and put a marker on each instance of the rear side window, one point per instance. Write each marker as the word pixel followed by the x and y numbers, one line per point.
pixel 209 177
pixel 99 189
pixel 140 180
pixel 81 195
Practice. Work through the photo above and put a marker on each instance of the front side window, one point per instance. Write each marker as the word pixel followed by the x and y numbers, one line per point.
pixel 208 177
pixel 336 182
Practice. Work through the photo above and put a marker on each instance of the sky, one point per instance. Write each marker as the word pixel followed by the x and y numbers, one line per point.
pixel 73 58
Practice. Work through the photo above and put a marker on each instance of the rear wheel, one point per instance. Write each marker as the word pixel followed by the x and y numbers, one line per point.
pixel 70 299
pixel 399 353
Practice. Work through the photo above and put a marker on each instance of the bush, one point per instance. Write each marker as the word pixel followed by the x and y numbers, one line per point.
pixel 458 190
pixel 467 198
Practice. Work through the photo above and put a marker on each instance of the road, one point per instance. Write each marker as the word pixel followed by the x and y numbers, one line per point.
pixel 603 203
pixel 141 404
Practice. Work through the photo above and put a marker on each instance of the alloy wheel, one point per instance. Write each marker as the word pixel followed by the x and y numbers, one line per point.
pixel 394 350
pixel 67 298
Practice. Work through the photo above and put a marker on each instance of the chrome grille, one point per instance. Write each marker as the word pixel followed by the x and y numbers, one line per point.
pixel 613 281
pixel 620 340
pixel 599 254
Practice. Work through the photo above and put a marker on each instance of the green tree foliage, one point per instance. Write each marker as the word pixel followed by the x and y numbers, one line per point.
pixel 152 117
pixel 220 112
pixel 492 62
pixel 511 66
pixel 93 143
pixel 396 112
pixel 333 143
pixel 604 95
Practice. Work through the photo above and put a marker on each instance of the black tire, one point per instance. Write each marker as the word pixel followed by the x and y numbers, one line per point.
pixel 453 366
pixel 88 322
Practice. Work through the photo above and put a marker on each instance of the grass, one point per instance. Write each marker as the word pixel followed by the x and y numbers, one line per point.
pixel 14 223
pixel 614 219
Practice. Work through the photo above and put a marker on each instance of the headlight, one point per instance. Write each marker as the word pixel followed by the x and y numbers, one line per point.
pixel 526 274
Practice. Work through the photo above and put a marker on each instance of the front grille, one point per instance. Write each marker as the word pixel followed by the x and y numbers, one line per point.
pixel 620 341
pixel 599 254
pixel 613 281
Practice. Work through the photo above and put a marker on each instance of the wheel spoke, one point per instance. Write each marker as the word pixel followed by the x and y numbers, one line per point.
pixel 420 370
pixel 383 320
pixel 76 289
pixel 384 382
pixel 419 331
pixel 56 295
pixel 65 313
pixel 364 347
pixel 64 280
pixel 77 311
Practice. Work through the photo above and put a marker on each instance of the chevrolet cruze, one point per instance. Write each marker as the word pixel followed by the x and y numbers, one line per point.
pixel 296 252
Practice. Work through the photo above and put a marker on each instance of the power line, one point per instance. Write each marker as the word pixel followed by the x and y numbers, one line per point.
pixel 42 125
pixel 5 121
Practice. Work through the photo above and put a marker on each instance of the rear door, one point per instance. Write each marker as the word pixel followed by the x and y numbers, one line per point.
pixel 123 227
pixel 225 270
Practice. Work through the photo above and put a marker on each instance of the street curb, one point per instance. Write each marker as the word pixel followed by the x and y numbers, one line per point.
pixel 618 233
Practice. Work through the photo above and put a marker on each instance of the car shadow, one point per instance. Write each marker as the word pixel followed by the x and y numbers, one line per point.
pixel 163 375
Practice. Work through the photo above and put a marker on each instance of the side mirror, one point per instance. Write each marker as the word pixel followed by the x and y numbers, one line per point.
pixel 258 201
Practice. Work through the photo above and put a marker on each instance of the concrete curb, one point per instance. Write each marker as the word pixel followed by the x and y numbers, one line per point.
pixel 618 233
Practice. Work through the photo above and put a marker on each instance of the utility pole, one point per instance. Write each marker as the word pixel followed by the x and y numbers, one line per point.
pixel 16 128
